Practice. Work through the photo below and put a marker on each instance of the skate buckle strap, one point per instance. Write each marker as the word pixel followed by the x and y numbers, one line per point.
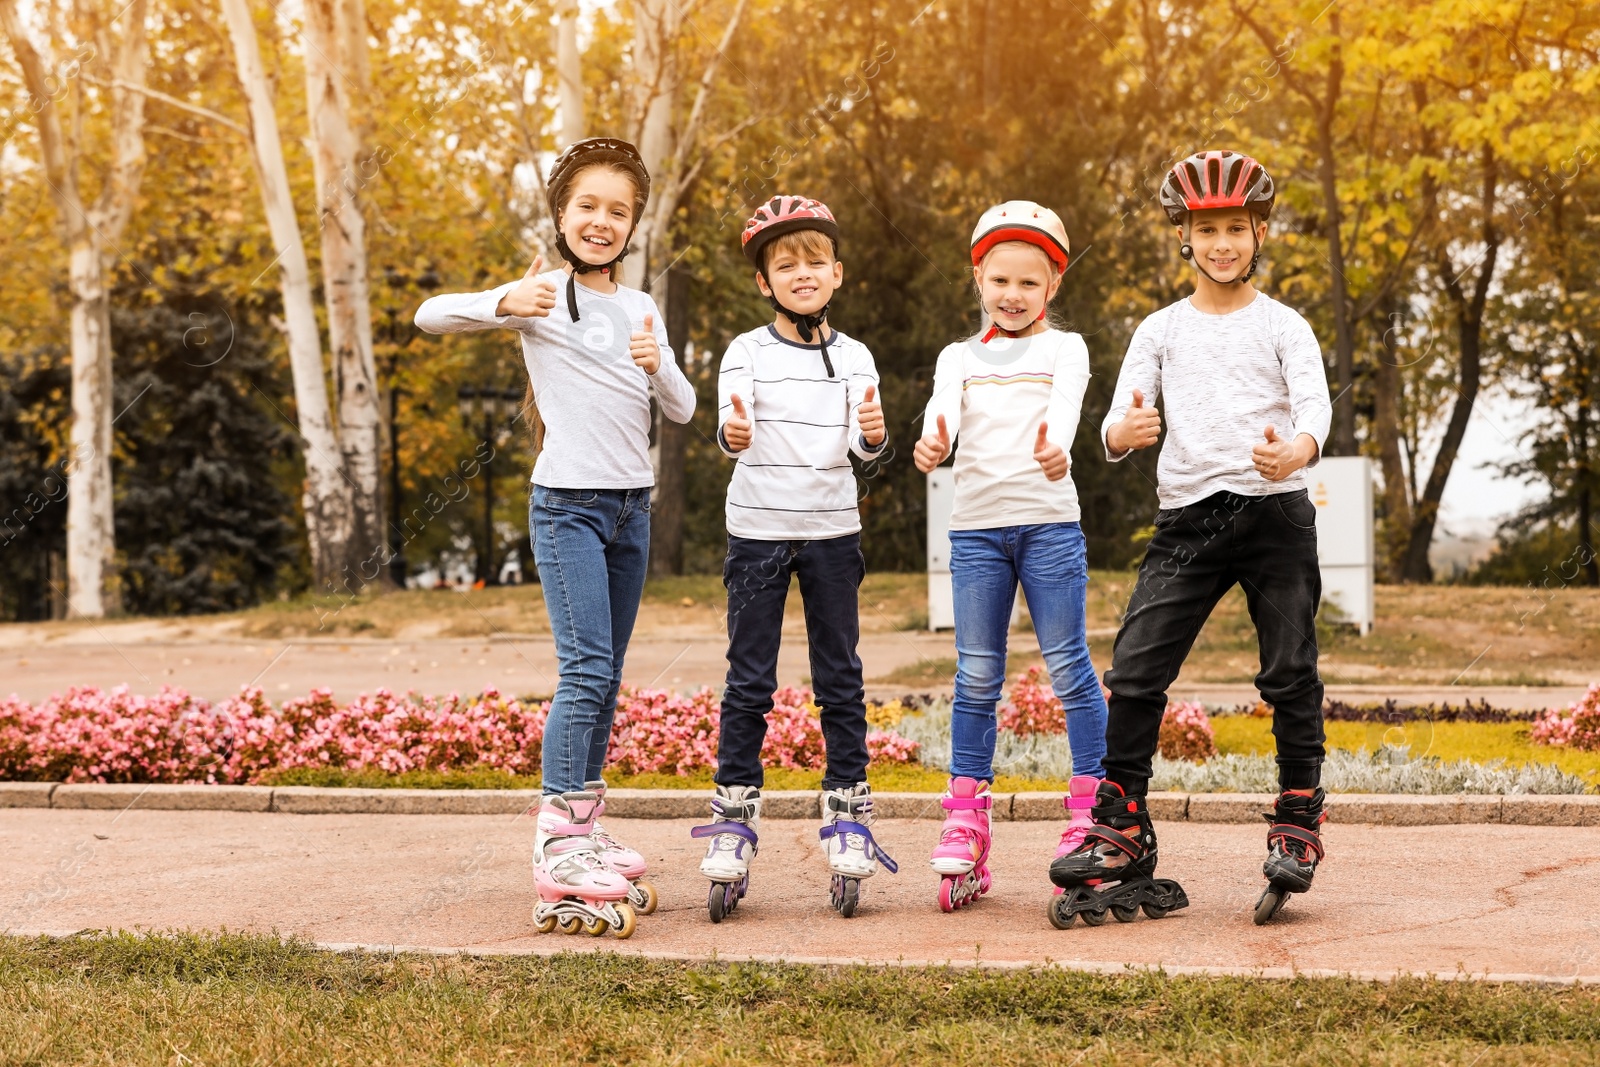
pixel 875 850
pixel 978 803
pixel 1291 832
pixel 1115 838
pixel 737 829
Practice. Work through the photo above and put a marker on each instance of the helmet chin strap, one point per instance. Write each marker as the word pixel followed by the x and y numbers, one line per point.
pixel 996 328
pixel 581 267
pixel 805 325
pixel 1186 251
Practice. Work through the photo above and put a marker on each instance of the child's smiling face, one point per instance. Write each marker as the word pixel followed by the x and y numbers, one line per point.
pixel 1015 281
pixel 803 279
pixel 1224 240
pixel 599 214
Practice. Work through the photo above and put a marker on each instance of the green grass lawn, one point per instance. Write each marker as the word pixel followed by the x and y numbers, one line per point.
pixel 204 1000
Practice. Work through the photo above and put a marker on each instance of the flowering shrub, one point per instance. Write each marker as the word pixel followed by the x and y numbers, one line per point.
pixel 1186 733
pixel 1578 727
pixel 93 736
pixel 1032 707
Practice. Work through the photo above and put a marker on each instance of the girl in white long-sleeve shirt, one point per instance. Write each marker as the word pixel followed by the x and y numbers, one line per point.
pixel 1011 396
pixel 592 362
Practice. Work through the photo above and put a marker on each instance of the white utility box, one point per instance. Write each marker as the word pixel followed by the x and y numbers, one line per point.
pixel 941 594
pixel 1341 488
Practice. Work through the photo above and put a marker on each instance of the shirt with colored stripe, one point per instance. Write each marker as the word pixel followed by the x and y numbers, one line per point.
pixel 794 482
pixel 993 396
pixel 1222 380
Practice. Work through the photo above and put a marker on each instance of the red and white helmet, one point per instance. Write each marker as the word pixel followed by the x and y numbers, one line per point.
pixel 1216 179
pixel 786 214
pixel 1022 220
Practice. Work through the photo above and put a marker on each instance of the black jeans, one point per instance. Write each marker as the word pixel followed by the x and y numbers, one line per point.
pixel 757 577
pixel 1266 544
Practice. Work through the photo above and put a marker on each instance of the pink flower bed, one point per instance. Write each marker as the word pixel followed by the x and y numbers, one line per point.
pixel 1032 708
pixel 88 735
pixel 1578 726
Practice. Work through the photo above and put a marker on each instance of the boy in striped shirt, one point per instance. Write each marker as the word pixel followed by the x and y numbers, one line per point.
pixel 796 398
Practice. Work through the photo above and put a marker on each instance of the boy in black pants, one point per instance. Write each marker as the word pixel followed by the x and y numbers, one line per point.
pixel 1247 408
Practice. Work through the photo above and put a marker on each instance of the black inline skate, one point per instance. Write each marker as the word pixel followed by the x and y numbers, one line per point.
pixel 1294 847
pixel 1119 849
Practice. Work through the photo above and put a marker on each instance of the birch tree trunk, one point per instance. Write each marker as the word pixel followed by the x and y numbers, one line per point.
pixel 330 85
pixel 89 230
pixel 569 73
pixel 328 499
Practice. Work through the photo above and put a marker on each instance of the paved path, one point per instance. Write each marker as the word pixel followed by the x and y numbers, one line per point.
pixel 215 669
pixel 1500 900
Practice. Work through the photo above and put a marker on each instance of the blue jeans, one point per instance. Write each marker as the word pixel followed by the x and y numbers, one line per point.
pixel 757 577
pixel 592 547
pixel 1051 561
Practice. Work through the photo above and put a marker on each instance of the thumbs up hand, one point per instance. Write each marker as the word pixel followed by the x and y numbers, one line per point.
pixel 643 348
pixel 1274 458
pixel 532 297
pixel 1051 458
pixel 737 429
pixel 932 448
pixel 869 415
pixel 1140 427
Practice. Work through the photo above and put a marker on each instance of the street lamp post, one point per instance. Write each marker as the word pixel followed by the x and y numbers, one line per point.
pixel 398 281
pixel 497 407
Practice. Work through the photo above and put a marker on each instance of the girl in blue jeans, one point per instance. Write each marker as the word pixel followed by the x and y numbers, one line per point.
pixel 595 352
pixel 1012 395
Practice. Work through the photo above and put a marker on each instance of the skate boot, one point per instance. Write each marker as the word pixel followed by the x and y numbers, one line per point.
pixel 1294 847
pixel 1120 848
pixel 852 852
pixel 1079 802
pixel 577 891
pixel 961 858
pixel 735 820
pixel 620 858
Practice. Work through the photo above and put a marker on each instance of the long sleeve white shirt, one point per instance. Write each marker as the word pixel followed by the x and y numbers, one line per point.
pixel 1222 380
pixel 795 482
pixel 595 401
pixel 993 396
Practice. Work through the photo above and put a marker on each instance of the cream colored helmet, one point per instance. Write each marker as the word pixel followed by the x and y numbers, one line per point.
pixel 1022 220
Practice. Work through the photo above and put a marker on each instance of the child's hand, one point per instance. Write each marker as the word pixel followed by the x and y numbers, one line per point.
pixel 1139 428
pixel 1050 456
pixel 643 348
pixel 1275 459
pixel 870 417
pixel 932 448
pixel 736 431
pixel 533 296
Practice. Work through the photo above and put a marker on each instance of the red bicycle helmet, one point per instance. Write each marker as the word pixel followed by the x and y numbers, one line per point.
pixel 1022 220
pixel 786 214
pixel 1217 179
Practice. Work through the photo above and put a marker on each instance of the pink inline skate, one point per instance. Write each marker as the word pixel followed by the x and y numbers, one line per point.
pixel 577 891
pixel 625 861
pixel 961 858
pixel 1079 801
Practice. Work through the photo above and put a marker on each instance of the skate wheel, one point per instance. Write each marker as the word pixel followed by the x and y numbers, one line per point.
pixel 1061 915
pixel 545 925
pixel 644 897
pixel 595 927
pixel 630 920
pixel 717 902
pixel 948 900
pixel 984 883
pixel 849 897
pixel 1271 900
pixel 1094 917
pixel 1125 913
pixel 569 924
pixel 1154 911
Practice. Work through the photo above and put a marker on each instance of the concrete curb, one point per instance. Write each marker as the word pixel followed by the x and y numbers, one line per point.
pixel 1373 808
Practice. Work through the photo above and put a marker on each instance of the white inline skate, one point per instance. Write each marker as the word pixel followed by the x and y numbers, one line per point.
pixel 735 822
pixel 853 854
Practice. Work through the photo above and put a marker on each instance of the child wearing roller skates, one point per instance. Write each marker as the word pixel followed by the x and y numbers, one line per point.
pixel 594 353
pixel 1011 396
pixel 796 399
pixel 1247 408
